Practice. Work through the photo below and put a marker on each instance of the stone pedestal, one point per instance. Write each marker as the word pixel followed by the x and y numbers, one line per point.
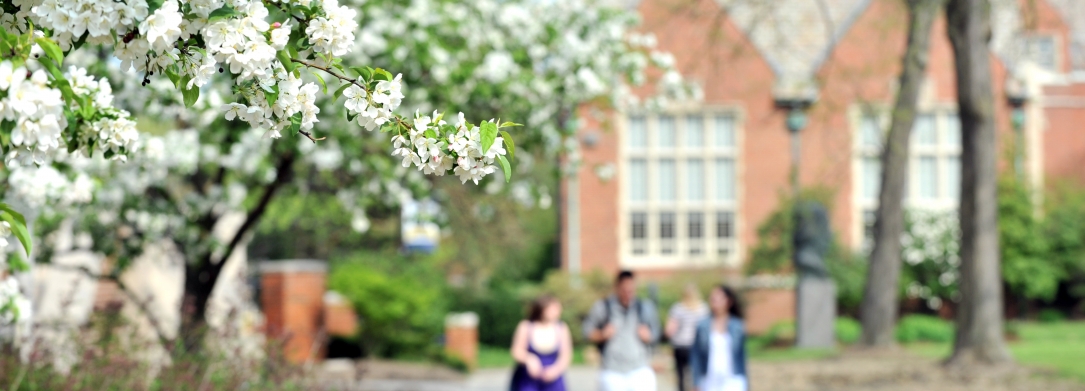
pixel 816 313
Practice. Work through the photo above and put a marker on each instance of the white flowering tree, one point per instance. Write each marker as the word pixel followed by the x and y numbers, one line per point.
pixel 221 78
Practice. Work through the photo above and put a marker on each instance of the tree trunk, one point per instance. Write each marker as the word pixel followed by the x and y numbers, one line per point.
pixel 878 311
pixel 979 336
pixel 202 274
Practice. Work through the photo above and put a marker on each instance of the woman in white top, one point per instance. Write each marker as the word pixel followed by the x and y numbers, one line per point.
pixel 682 327
pixel 718 354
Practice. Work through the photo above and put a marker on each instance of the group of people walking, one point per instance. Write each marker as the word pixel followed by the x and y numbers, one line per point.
pixel 708 341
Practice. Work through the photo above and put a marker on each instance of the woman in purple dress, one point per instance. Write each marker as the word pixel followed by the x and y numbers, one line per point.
pixel 542 348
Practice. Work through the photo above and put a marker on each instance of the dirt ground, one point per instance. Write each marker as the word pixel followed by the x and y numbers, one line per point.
pixel 850 371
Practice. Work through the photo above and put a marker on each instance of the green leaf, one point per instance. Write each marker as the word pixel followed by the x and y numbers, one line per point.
pixel 272 94
pixel 190 95
pixel 505 167
pixel 51 49
pixel 87 106
pixel 221 13
pixel 295 123
pixel 381 74
pixel 18 225
pixel 153 5
pixel 351 116
pixel 284 58
pixel 339 92
pixel 488 132
pixel 174 77
pixel 366 73
pixel 429 133
pixel 509 145
pixel 321 80
pixel 510 124
pixel 79 43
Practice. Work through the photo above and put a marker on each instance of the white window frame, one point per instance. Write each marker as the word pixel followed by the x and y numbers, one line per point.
pixel 944 200
pixel 709 206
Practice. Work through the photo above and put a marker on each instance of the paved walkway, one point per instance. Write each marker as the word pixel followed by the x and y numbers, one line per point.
pixel 579 378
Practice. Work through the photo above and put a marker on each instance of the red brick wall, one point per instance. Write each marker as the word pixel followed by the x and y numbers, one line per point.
pixel 1064 134
pixel 767 307
pixel 862 68
pixel 292 300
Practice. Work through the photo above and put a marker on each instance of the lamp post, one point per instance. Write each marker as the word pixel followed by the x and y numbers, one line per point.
pixel 815 293
pixel 1017 103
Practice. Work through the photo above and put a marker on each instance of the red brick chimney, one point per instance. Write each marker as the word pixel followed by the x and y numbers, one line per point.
pixel 292 297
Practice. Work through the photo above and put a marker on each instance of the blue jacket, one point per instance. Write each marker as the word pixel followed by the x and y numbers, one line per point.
pixel 699 352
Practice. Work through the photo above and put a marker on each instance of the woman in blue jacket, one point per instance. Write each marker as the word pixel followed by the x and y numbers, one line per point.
pixel 718 355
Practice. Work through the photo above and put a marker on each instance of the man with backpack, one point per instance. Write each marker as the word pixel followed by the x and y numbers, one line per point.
pixel 624 328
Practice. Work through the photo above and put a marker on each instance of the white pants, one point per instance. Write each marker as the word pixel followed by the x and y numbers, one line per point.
pixel 643 379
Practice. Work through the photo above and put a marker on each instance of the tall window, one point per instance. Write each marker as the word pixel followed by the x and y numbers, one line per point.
pixel 934 167
pixel 681 191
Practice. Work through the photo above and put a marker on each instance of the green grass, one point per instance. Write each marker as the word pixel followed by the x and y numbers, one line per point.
pixel 1057 346
pixel 790 354
pixel 498 357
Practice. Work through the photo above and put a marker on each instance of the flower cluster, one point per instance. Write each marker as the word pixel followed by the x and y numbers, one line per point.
pixel 36 109
pixel 41 186
pixel 435 147
pixel 14 306
pixel 70 19
pixel 334 34
pixel 376 109
pixel 293 98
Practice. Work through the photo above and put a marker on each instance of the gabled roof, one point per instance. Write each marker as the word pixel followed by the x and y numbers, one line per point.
pixel 794 36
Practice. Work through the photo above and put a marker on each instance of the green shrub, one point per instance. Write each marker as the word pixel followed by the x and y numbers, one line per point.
pixel 402 307
pixel 847 330
pixel 500 308
pixel 924 328
pixel 1051 316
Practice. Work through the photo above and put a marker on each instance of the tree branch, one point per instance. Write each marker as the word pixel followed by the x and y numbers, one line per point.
pixel 283 170
pixel 140 304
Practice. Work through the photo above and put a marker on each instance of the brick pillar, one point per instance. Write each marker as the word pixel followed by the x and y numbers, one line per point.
pixel 461 337
pixel 339 317
pixel 292 297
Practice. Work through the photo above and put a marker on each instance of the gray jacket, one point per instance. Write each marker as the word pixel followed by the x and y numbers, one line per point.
pixel 624 352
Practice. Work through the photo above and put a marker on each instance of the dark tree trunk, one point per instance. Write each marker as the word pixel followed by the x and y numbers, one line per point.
pixel 979 336
pixel 878 311
pixel 203 274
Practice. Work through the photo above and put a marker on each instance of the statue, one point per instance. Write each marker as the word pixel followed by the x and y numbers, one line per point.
pixel 811 239
pixel 816 293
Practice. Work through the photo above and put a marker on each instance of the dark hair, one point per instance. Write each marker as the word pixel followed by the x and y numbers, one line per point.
pixel 734 305
pixel 623 275
pixel 538 306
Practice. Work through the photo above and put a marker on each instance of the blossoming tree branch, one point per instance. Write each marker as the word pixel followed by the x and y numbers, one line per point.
pixel 264 46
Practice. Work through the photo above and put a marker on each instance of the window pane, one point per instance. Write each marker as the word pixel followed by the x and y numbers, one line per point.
pixel 872 177
pixel 927 177
pixel 638 132
pixel 953 130
pixel 724 225
pixel 924 132
pixel 668 178
pixel 666 225
pixel 696 225
pixel 953 177
pixel 639 231
pixel 638 180
pixel 666 232
pixel 724 132
pixel 666 132
pixel 696 232
pixel 694 180
pixel 640 225
pixel 870 132
pixel 694 131
pixel 725 179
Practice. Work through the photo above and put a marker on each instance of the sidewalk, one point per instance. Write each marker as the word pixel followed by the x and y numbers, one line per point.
pixel 578 378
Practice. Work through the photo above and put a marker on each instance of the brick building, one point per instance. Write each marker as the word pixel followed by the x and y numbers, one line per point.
pixel 686 187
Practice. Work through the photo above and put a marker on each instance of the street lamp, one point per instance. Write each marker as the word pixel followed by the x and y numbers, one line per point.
pixel 796 99
pixel 1018 98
